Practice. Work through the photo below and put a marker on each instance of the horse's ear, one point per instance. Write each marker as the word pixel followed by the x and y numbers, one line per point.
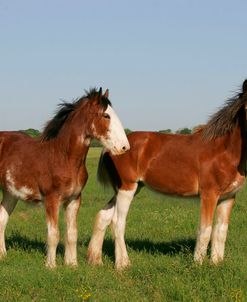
pixel 244 87
pixel 106 94
pixel 100 93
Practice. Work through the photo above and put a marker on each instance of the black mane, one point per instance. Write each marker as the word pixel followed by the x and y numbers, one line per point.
pixel 65 110
pixel 227 118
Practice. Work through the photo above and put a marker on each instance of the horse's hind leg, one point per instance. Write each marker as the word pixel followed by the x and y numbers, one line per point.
pixel 220 230
pixel 123 201
pixel 102 221
pixel 71 212
pixel 208 204
pixel 6 208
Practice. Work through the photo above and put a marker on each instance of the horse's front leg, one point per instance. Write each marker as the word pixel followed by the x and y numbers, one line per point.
pixel 71 213
pixel 52 204
pixel 102 221
pixel 208 204
pixel 6 208
pixel 123 201
pixel 220 230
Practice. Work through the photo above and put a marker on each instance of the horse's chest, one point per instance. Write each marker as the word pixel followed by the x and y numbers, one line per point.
pixel 235 185
pixel 72 192
pixel 76 185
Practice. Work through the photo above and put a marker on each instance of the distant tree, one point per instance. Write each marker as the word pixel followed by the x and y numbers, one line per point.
pixel 166 131
pixel 197 128
pixel 184 131
pixel 32 132
pixel 127 131
pixel 95 143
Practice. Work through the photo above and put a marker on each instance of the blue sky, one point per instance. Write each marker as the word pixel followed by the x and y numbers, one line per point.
pixel 167 64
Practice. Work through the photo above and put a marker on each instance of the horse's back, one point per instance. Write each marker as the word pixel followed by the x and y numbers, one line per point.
pixel 12 144
pixel 11 141
pixel 170 164
pixel 165 162
pixel 9 137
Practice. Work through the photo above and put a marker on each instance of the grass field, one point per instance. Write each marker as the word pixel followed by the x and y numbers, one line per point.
pixel 160 238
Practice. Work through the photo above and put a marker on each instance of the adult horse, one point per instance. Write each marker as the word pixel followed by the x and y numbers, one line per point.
pixel 210 163
pixel 52 168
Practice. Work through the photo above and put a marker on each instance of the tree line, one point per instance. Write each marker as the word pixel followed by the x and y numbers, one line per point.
pixel 35 133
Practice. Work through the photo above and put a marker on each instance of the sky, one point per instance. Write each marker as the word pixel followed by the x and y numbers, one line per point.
pixel 167 64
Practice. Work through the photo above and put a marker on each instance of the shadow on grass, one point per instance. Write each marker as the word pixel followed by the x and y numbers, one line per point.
pixel 17 241
pixel 166 248
pixel 170 248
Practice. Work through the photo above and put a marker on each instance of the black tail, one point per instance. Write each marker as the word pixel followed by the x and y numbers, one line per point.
pixel 107 173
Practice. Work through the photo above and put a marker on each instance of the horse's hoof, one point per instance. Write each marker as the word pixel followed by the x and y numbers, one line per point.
pixel 122 265
pixel 51 266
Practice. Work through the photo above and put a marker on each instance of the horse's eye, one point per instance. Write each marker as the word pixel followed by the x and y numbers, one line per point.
pixel 106 115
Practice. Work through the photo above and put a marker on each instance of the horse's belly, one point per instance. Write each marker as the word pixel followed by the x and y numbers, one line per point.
pixel 24 192
pixel 184 185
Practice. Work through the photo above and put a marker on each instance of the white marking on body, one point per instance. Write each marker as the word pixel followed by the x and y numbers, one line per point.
pixel 220 230
pixel 94 130
pixel 6 208
pixel 102 221
pixel 87 141
pixel 52 242
pixel 22 192
pixel 71 232
pixel 4 217
pixel 234 187
pixel 84 141
pixel 218 242
pixel 123 202
pixel 116 141
pixel 203 239
pixel 235 184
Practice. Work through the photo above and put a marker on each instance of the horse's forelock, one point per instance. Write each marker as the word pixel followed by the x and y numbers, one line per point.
pixel 105 102
pixel 94 95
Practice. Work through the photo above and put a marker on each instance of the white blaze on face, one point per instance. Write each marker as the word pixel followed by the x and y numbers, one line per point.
pixel 116 141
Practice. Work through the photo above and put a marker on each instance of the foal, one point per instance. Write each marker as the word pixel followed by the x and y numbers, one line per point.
pixel 210 163
pixel 52 168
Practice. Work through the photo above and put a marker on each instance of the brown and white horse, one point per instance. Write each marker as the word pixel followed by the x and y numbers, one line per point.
pixel 52 168
pixel 210 163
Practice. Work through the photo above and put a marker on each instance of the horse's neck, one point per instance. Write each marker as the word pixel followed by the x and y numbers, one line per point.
pixel 73 146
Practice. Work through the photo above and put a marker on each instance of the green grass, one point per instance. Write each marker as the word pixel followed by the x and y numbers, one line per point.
pixel 160 238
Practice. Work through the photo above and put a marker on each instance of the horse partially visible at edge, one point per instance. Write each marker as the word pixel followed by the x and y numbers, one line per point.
pixel 51 169
pixel 210 162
